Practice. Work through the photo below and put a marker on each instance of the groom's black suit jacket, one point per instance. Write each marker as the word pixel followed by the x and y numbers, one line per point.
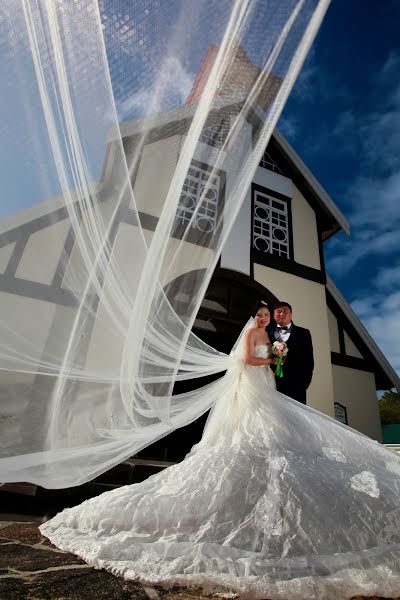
pixel 298 365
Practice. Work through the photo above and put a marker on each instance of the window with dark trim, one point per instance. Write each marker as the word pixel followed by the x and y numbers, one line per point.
pixel 200 204
pixel 271 231
pixel 215 135
pixel 267 162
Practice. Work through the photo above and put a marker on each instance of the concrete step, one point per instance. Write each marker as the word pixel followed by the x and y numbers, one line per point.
pixel 27 498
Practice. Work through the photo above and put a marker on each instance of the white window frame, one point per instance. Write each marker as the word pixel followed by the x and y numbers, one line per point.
pixel 271 229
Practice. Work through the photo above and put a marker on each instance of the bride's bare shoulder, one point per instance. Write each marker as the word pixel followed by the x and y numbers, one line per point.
pixel 250 334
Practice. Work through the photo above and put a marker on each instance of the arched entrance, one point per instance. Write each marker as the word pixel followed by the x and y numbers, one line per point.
pixel 229 302
pixel 227 305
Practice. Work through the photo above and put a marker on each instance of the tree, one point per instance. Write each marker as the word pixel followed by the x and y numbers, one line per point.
pixel 389 408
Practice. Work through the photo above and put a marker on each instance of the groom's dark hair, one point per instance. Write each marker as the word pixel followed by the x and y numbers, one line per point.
pixel 282 304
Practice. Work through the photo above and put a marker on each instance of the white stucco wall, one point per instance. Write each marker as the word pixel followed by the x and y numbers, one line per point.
pixel 305 232
pixel 29 321
pixel 309 310
pixel 351 349
pixel 356 391
pixel 42 253
pixel 156 169
pixel 333 332
pixel 5 255
pixel 106 345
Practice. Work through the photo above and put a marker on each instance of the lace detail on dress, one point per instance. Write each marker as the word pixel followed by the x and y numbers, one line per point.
pixel 268 512
pixel 263 351
pixel 334 454
pixel 393 466
pixel 365 482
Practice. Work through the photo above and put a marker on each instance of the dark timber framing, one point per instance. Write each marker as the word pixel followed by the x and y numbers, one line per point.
pixel 368 363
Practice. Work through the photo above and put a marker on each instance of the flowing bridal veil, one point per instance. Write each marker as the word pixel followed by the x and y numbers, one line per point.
pixel 130 134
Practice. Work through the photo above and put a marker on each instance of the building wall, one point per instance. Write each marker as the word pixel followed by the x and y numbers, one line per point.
pixel 156 170
pixel 356 391
pixel 352 388
pixel 333 332
pixel 106 344
pixel 305 232
pixel 309 310
pixel 351 349
pixel 42 253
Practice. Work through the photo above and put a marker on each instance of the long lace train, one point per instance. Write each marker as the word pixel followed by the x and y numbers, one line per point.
pixel 276 501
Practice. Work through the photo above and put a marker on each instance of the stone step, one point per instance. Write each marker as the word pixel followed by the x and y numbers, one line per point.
pixel 26 489
pixel 32 499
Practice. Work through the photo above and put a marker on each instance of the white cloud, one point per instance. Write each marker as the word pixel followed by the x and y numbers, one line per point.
pixel 170 88
pixel 388 278
pixel 380 136
pixel 346 124
pixel 380 314
pixel 342 259
pixel 289 127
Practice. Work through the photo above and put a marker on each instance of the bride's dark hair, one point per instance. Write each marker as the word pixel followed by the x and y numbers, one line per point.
pixel 261 304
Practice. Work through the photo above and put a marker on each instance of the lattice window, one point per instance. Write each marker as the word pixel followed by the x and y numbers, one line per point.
pixel 199 200
pixel 268 163
pixel 215 135
pixel 270 225
pixel 340 413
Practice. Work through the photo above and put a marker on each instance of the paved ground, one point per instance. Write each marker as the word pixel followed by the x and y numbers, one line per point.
pixel 32 569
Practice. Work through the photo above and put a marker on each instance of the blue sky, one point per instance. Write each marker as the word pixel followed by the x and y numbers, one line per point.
pixel 343 118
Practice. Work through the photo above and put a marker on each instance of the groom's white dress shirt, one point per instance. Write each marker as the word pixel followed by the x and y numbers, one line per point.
pixel 284 335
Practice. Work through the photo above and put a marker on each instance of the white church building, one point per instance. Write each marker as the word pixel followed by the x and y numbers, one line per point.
pixel 274 252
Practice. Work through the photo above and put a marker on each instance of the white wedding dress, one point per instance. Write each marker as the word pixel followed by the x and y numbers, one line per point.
pixel 277 501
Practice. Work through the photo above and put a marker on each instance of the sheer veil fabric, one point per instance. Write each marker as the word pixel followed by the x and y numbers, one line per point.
pixel 131 133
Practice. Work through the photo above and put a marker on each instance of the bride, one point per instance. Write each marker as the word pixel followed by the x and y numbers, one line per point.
pixel 276 501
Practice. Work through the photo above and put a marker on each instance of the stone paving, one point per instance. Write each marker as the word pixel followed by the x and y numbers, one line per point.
pixel 32 569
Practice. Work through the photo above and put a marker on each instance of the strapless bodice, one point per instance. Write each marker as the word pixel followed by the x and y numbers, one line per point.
pixel 263 351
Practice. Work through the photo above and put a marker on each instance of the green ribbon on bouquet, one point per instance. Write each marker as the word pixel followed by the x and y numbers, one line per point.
pixel 279 370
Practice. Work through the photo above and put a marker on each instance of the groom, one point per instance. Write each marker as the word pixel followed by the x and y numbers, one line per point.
pixel 298 365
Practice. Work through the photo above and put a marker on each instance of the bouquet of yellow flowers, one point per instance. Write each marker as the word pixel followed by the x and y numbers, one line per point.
pixel 279 349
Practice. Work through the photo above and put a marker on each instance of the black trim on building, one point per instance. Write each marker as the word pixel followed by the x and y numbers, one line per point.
pixel 342 345
pixel 351 362
pixel 369 362
pixel 320 246
pixel 37 291
pixel 287 266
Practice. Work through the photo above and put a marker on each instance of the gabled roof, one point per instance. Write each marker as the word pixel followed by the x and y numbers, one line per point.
pixel 383 363
pixel 159 125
